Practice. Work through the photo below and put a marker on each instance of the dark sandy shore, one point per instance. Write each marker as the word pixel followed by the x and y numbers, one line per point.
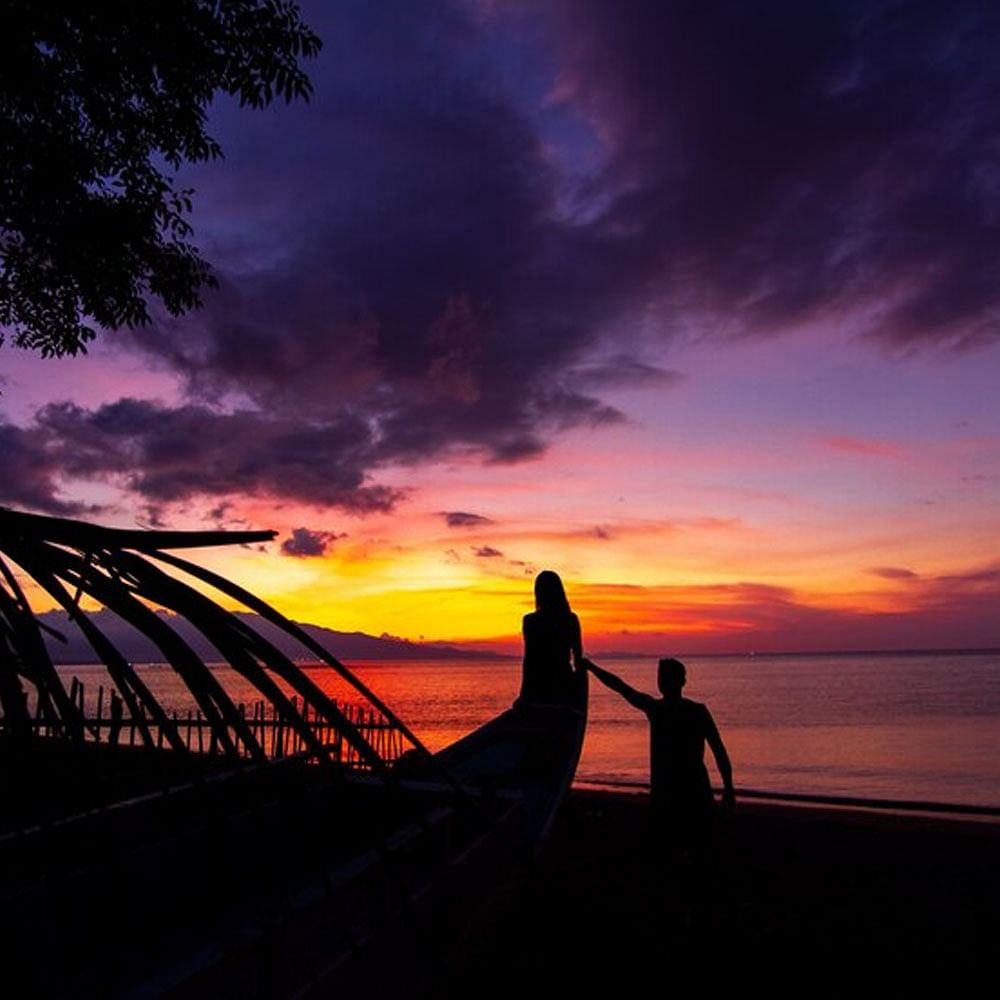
pixel 815 902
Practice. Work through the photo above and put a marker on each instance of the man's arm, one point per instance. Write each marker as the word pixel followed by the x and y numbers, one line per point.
pixel 721 759
pixel 635 698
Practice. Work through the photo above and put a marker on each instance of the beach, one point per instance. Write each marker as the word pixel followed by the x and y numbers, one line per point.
pixel 812 901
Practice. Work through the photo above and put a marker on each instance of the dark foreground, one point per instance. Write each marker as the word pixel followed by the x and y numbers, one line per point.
pixel 815 902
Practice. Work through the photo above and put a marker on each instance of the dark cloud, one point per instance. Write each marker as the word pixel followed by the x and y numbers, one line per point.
pixel 622 371
pixel 418 281
pixel 894 573
pixel 221 511
pixel 462 519
pixel 167 454
pixel 30 472
pixel 777 159
pixel 305 543
pixel 487 552
pixel 154 515
pixel 439 253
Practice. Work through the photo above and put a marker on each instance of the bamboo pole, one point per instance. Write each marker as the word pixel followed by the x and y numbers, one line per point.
pixel 80 534
pixel 45 562
pixel 297 679
pixel 100 709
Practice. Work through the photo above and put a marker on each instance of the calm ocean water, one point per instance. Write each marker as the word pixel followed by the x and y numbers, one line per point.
pixel 899 726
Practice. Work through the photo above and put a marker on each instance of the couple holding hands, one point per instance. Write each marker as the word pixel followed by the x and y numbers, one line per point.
pixel 680 791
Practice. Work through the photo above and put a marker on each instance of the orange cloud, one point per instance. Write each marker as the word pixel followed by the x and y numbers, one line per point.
pixel 947 611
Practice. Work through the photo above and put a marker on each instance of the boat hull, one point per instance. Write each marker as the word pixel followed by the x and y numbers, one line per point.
pixel 291 880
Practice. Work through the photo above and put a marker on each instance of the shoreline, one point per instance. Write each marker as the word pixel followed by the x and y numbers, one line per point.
pixel 788 808
pixel 836 804
pixel 796 898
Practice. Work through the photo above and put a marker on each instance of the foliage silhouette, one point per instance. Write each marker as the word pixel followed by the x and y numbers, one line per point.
pixel 100 102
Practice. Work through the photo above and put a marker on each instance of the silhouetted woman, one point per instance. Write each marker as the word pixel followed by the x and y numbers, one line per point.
pixel 552 644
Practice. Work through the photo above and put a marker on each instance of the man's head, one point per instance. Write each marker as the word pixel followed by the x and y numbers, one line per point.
pixel 670 677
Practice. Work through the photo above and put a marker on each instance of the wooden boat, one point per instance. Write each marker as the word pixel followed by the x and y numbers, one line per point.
pixel 154 871
pixel 533 748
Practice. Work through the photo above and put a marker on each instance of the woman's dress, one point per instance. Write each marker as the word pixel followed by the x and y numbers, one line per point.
pixel 550 640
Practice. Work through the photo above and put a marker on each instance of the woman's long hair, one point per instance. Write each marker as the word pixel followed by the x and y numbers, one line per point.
pixel 550 597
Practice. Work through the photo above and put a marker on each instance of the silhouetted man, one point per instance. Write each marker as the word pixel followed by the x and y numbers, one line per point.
pixel 680 792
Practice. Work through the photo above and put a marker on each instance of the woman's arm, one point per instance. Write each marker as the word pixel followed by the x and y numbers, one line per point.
pixel 576 645
pixel 635 698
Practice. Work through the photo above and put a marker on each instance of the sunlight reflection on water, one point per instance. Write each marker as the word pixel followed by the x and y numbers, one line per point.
pixel 904 726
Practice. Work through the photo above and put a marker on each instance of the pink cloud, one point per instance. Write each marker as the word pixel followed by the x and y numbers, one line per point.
pixel 861 446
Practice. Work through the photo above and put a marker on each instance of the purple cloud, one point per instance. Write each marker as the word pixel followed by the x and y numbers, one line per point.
pixel 462 519
pixel 437 253
pixel 29 472
pixel 166 454
pixel 777 159
pixel 624 371
pixel 305 543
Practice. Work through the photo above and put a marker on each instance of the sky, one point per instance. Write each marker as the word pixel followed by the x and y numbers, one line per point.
pixel 696 304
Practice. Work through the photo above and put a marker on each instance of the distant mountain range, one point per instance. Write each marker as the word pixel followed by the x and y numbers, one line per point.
pixel 138 649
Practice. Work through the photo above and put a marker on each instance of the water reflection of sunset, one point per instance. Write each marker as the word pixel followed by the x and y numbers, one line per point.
pixel 917 726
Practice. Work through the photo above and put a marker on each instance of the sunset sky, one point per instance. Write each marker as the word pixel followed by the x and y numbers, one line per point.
pixel 696 304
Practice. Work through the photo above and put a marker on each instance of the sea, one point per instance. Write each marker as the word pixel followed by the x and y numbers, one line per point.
pixel 900 726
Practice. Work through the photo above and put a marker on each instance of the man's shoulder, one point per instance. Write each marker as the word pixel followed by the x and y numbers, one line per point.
pixel 698 713
pixel 652 705
pixel 694 707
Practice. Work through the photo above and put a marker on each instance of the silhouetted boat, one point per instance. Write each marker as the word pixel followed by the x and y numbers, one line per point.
pixel 230 854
